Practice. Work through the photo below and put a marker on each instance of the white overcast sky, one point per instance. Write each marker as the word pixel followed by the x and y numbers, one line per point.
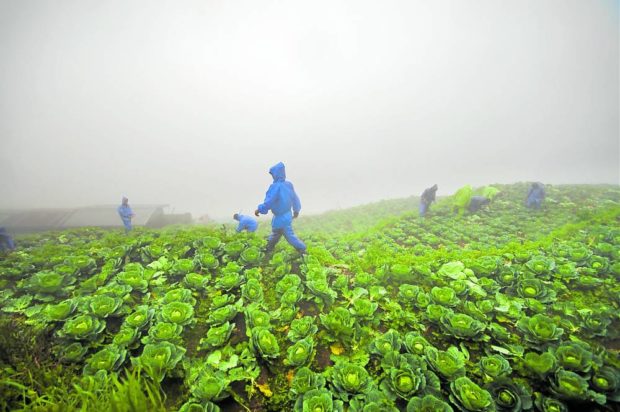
pixel 189 103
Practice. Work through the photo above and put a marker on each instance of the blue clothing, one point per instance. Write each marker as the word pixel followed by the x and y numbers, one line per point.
pixel 535 196
pixel 6 241
pixel 247 223
pixel 423 208
pixel 125 212
pixel 428 197
pixel 290 237
pixel 280 199
pixel 476 202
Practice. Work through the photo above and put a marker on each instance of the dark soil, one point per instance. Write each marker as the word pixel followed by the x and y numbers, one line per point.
pixel 323 357
pixel 238 334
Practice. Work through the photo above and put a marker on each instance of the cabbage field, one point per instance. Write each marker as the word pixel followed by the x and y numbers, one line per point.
pixel 508 309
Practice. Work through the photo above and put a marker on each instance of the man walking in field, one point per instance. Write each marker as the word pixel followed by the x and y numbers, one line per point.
pixel 426 199
pixel 280 199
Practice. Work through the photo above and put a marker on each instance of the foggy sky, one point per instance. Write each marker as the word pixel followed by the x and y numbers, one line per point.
pixel 189 103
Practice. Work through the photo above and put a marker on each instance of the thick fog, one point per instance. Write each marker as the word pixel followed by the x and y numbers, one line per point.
pixel 189 103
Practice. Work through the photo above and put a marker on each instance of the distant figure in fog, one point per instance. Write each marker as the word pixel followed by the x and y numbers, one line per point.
pixel 280 199
pixel 126 214
pixel 6 241
pixel 535 196
pixel 476 202
pixel 245 223
pixel 428 197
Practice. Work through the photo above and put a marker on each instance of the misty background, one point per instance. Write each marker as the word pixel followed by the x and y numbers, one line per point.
pixel 189 103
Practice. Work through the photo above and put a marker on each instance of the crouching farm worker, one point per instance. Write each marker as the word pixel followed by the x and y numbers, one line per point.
pixel 426 199
pixel 280 199
pixel 245 223
pixel 476 202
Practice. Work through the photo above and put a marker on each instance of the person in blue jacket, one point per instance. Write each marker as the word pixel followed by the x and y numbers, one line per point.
pixel 428 197
pixel 245 223
pixel 280 199
pixel 535 196
pixel 126 214
pixel 6 241
pixel 476 202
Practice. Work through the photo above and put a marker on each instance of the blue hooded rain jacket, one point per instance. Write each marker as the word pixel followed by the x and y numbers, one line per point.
pixel 247 223
pixel 125 212
pixel 536 195
pixel 280 199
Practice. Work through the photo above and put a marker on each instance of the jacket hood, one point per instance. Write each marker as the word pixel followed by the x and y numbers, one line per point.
pixel 278 173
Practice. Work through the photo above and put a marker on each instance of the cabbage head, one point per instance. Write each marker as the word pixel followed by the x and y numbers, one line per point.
pixel 158 358
pixel 463 326
pixel 103 306
pixel 306 380
pixel 222 315
pixel 350 379
pixel 570 386
pixel 494 366
pixel 180 313
pixel 300 353
pixel 450 363
pixel 133 278
pixel 210 387
pixel 509 396
pixel 388 342
pixel 574 356
pixel 83 327
pixel 415 344
pixel 140 317
pixel 445 296
pixel 317 400
pixel 548 404
pixel 73 352
pixel 59 311
pixel 108 359
pixel 364 309
pixel 301 328
pixel 47 284
pixel 179 295
pixel 196 281
pixel 535 289
pixel 540 265
pixel 539 329
pixel 164 331
pixel 251 255
pixel 125 337
pixel 404 381
pixel 252 291
pixel 468 396
pixel 339 323
pixel 542 364
pixel 428 403
pixel 256 317
pixel 606 380
pixel 217 336
pixel 265 343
